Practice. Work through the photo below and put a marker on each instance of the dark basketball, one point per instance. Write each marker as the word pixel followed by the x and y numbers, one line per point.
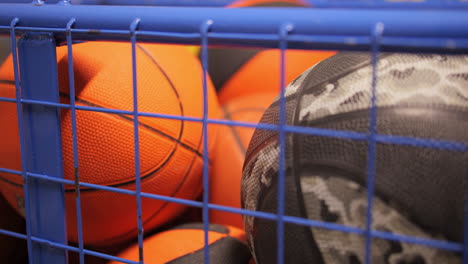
pixel 419 190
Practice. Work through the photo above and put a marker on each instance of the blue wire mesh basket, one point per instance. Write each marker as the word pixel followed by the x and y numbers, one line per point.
pixel 34 30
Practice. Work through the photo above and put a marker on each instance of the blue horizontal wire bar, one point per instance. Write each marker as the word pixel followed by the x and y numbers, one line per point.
pixel 452 246
pixel 422 142
pixel 66 247
pixel 4 99
pixel 388 139
pixel 429 24
pixel 13 234
pixel 446 4
pixel 328 38
pixel 437 4
pixel 4 170
pixel 445 245
pixel 314 3
pixel 117 190
pixel 420 23
pixel 320 42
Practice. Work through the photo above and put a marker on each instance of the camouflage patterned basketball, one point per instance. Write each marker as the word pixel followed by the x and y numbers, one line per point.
pixel 419 190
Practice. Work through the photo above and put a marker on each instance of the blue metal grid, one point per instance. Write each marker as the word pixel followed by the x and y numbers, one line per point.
pixel 433 26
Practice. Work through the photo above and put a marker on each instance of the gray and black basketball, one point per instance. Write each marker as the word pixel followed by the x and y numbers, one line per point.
pixel 419 191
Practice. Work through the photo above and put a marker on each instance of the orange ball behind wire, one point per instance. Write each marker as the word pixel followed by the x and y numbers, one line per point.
pixel 185 244
pixel 169 82
pixel 241 71
pixel 261 73
pixel 229 154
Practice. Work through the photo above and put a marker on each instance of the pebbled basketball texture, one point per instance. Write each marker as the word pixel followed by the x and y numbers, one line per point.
pixel 184 244
pixel 419 191
pixel 169 81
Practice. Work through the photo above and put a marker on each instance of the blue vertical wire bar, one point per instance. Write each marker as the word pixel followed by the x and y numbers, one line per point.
pixel 204 29
pixel 71 78
pixel 133 28
pixel 42 144
pixel 376 32
pixel 283 34
pixel 19 113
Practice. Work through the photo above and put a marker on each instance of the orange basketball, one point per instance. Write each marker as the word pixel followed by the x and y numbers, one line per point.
pixel 12 249
pixel 229 154
pixel 239 71
pixel 185 244
pixel 261 73
pixel 169 82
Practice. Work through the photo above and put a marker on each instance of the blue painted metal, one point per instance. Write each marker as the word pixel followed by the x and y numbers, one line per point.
pixel 160 2
pixel 19 113
pixel 133 29
pixel 71 85
pixel 388 139
pixel 42 144
pixel 204 30
pixel 439 29
pixel 314 3
pixel 426 4
pixel 424 29
pixel 283 33
pixel 376 34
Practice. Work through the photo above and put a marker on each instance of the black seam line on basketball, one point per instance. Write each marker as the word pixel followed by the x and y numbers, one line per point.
pixel 179 186
pixel 182 144
pixel 140 123
pixel 143 125
pixel 150 218
pixel 7 82
pixel 198 145
pixel 127 118
pixel 188 147
pixel 163 72
pixel 196 154
pixel 149 174
pixel 11 182
pixel 227 115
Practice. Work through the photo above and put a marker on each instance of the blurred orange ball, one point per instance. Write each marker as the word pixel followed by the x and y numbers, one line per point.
pixel 185 244
pixel 229 152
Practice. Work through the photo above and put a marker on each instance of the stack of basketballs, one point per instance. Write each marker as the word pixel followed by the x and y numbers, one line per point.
pixel 419 190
